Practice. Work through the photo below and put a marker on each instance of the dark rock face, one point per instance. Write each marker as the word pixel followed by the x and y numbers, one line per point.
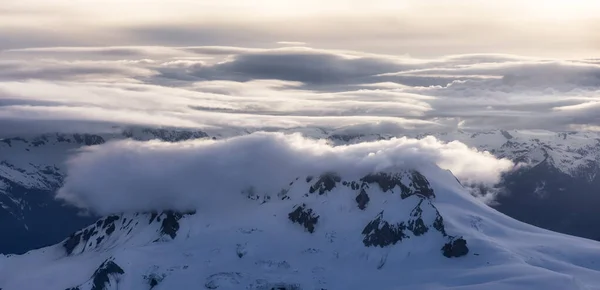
pixel 39 141
pixel 88 139
pixel 170 223
pixel 102 275
pixel 419 185
pixel 386 181
pixel 101 279
pixel 380 233
pixel 305 217
pixel 83 237
pixel 415 223
pixel 325 183
pixel 362 199
pixel 438 224
pixel 169 135
pixel 105 227
pixel 345 137
pixel 455 248
pixel 9 141
pixel 154 279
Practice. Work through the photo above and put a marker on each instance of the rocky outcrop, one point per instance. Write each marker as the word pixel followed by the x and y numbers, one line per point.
pixel 170 222
pixel 409 183
pixel 325 183
pixel 154 279
pixel 167 135
pixel 362 199
pixel 380 233
pixel 88 139
pixel 455 248
pixel 105 277
pixel 420 184
pixel 415 223
pixel 386 181
pixel 105 274
pixel 103 228
pixel 305 217
pixel 166 224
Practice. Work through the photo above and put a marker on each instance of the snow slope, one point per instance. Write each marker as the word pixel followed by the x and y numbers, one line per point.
pixel 382 230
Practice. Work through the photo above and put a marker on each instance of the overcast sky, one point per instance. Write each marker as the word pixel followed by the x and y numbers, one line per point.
pixel 550 28
pixel 422 65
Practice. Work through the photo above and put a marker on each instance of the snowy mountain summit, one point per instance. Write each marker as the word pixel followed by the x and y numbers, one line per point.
pixel 402 225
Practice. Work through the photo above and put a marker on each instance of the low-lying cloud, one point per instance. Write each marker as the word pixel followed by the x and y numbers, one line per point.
pixel 127 176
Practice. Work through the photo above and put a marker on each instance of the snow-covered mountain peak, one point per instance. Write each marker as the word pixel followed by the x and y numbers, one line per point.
pixel 307 198
pixel 322 214
pixel 323 231
pixel 347 228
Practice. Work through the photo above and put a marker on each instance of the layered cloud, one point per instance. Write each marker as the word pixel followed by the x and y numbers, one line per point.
pixel 128 176
pixel 291 87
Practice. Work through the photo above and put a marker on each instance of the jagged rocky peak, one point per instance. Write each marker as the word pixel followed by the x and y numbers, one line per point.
pixel 408 183
pixel 305 217
pixel 325 183
pixel 110 230
pixel 404 201
pixel 164 134
pixel 105 277
pixel 381 233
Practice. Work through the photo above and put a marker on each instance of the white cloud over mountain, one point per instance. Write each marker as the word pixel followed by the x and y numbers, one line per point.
pixel 130 176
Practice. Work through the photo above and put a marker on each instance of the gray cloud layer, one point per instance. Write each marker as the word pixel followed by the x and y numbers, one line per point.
pixel 291 87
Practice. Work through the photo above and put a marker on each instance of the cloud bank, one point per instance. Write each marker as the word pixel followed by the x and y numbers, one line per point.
pixel 127 176
pixel 291 88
